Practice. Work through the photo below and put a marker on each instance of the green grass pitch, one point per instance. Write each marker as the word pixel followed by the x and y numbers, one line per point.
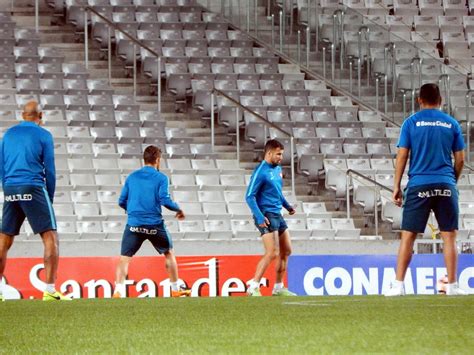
pixel 291 325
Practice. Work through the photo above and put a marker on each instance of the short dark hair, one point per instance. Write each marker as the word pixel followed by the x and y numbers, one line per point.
pixel 429 94
pixel 151 154
pixel 271 145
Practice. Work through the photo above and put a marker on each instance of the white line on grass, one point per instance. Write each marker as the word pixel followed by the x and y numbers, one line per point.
pixel 311 304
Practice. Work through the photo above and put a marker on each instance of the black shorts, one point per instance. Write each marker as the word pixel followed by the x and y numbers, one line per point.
pixel 277 223
pixel 419 201
pixel 133 238
pixel 31 202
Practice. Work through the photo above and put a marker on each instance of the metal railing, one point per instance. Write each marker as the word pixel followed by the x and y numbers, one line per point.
pixel 239 106
pixel 377 187
pixel 136 43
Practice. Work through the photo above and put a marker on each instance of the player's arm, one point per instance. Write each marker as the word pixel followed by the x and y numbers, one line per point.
pixel 404 145
pixel 123 199
pixel 256 182
pixel 458 152
pixel 49 166
pixel 286 205
pixel 400 164
pixel 458 163
pixel 1 161
pixel 164 196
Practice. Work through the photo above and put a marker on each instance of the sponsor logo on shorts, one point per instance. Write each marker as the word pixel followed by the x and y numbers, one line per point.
pixel 143 230
pixel 434 192
pixel 18 197
pixel 433 124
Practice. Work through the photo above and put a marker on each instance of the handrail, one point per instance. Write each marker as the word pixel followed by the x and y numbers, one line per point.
pixel 116 27
pixel 355 172
pixel 271 124
pixel 135 41
pixel 314 74
pixel 377 186
pixel 221 93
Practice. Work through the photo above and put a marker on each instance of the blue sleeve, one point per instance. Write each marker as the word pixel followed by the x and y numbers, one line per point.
pixel 458 142
pixel 404 140
pixel 285 203
pixel 256 182
pixel 123 199
pixel 49 166
pixel 1 161
pixel 164 195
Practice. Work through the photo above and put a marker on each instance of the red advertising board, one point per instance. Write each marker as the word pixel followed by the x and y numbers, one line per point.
pixel 93 277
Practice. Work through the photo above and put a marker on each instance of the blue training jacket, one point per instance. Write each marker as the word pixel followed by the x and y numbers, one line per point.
pixel 264 193
pixel 27 157
pixel 143 194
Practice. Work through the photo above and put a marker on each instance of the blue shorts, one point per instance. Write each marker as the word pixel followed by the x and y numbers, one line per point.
pixel 31 202
pixel 277 223
pixel 133 238
pixel 419 201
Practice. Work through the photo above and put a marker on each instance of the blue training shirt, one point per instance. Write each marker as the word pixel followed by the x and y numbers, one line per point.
pixel 143 194
pixel 431 136
pixel 264 193
pixel 27 157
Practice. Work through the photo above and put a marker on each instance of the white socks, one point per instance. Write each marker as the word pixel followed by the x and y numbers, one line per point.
pixel 174 286
pixel 397 284
pixel 278 286
pixel 120 288
pixel 50 288
pixel 253 285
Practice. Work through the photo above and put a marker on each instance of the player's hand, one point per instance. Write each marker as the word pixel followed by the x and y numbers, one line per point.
pixel 397 197
pixel 179 215
pixel 291 211
pixel 265 223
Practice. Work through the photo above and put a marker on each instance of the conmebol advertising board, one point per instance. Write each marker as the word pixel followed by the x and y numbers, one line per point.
pixel 320 275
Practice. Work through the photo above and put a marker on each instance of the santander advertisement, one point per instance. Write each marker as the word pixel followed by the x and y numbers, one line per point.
pixel 312 275
pixel 93 277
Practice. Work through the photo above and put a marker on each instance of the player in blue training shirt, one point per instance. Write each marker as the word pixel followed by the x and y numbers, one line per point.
pixel 29 180
pixel 145 191
pixel 265 199
pixel 430 138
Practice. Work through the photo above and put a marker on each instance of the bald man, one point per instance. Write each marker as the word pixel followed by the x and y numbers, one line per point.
pixel 29 180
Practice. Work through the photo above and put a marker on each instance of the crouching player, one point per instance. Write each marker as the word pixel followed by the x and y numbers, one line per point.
pixel 143 194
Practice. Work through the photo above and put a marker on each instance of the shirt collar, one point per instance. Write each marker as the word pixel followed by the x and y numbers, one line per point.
pixel 29 123
pixel 270 165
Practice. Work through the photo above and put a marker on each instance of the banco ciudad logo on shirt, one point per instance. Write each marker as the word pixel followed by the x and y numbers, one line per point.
pixel 434 124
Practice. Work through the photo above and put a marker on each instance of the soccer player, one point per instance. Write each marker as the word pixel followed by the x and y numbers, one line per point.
pixel 29 180
pixel 265 199
pixel 143 194
pixel 429 137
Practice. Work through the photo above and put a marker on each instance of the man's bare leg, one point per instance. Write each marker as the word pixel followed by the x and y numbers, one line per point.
pixel 51 255
pixel 6 242
pixel 404 257
pixel 171 265
pixel 271 252
pixel 282 260
pixel 172 269
pixel 450 254
pixel 405 253
pixel 122 269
